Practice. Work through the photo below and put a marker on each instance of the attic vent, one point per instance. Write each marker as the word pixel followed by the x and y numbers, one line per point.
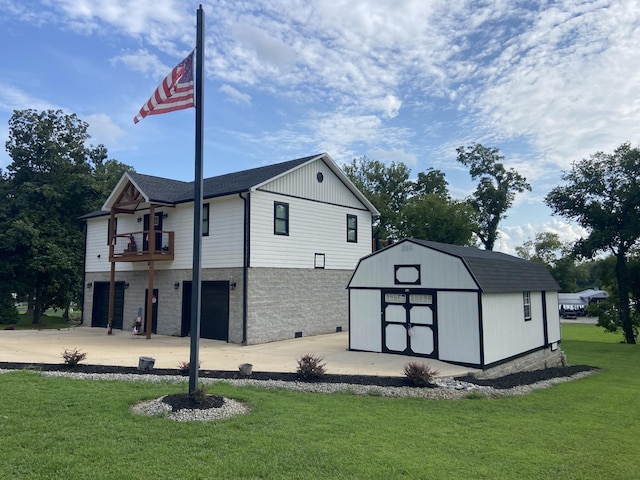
pixel 319 177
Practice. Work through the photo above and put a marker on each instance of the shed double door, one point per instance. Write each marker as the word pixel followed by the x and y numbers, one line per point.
pixel 409 323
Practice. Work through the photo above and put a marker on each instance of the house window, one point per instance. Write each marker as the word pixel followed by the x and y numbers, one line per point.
pixel 205 220
pixel 280 218
pixel 352 228
pixel 526 302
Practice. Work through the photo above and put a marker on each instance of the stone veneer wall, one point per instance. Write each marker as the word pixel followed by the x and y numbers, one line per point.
pixel 169 298
pixel 283 301
pixel 533 361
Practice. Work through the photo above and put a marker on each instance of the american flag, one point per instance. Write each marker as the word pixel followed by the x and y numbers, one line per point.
pixel 174 93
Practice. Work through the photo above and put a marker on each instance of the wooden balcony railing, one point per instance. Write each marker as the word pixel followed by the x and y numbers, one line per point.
pixel 136 247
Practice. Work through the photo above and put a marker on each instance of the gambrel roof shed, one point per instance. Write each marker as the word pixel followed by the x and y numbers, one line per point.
pixel 452 303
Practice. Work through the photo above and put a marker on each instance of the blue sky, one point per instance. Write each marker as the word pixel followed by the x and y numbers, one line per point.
pixel 546 82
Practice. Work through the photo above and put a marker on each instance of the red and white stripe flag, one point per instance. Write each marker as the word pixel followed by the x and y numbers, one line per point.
pixel 174 93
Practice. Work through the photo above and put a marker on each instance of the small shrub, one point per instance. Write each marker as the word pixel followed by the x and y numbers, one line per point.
pixel 200 395
pixel 184 367
pixel 73 357
pixel 420 374
pixel 310 367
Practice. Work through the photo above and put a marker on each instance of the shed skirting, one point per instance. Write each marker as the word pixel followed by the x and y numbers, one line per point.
pixel 536 360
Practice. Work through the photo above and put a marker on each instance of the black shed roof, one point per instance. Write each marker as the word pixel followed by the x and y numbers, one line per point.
pixel 496 271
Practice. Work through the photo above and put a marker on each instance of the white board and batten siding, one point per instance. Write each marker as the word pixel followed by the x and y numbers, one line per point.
pixel 315 227
pixel 303 183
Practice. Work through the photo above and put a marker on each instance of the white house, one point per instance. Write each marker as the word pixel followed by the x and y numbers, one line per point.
pixel 279 245
pixel 456 304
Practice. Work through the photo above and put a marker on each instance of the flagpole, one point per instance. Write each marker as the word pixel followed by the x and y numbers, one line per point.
pixel 196 288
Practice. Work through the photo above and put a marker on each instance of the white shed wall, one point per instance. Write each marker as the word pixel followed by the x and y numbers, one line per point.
pixel 458 327
pixel 438 270
pixel 365 328
pixel 314 227
pixel 505 331
pixel 553 317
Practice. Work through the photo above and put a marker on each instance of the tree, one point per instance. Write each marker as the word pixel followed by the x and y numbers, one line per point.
pixel 53 179
pixel 547 249
pixel 496 189
pixel 603 195
pixel 437 218
pixel 386 187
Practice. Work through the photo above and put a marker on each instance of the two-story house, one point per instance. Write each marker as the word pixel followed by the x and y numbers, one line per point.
pixel 279 244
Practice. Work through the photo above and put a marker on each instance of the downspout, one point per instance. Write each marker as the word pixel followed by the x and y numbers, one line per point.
pixel 246 263
pixel 84 273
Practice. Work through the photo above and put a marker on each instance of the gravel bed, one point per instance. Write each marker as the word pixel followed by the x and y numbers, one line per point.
pixel 444 389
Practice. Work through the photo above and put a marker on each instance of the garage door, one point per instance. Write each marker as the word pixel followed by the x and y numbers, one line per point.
pixel 100 311
pixel 214 304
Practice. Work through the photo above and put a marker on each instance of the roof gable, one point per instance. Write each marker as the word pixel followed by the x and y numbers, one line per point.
pixel 152 189
pixel 497 271
pixel 492 272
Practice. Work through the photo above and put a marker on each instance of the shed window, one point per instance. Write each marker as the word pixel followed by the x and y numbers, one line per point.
pixel 395 297
pixel 526 302
pixel 280 218
pixel 352 228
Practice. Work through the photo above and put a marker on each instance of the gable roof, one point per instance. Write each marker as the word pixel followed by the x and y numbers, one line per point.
pixel 166 191
pixel 495 271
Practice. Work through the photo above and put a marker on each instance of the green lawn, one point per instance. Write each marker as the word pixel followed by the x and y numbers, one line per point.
pixel 50 319
pixel 64 428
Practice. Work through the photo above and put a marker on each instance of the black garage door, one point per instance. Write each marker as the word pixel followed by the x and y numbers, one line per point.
pixel 214 304
pixel 100 312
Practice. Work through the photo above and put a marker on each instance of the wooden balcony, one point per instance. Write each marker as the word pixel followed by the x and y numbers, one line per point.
pixel 136 247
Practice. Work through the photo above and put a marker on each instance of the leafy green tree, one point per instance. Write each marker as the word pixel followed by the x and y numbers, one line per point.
pixel 603 195
pixel 548 249
pixel 420 209
pixel 431 182
pixel 387 187
pixel 496 190
pixel 53 179
pixel 437 218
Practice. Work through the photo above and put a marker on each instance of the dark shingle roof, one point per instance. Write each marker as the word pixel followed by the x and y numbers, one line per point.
pixel 498 272
pixel 164 190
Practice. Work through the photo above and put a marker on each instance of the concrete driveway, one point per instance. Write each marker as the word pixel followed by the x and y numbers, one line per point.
pixel 123 349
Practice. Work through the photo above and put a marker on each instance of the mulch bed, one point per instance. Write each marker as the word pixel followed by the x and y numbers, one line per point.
pixel 506 382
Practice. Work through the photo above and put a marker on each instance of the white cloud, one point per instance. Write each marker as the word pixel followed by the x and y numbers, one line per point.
pixel 144 62
pixel 514 236
pixel 570 82
pixel 103 129
pixel 235 96
pixel 14 98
